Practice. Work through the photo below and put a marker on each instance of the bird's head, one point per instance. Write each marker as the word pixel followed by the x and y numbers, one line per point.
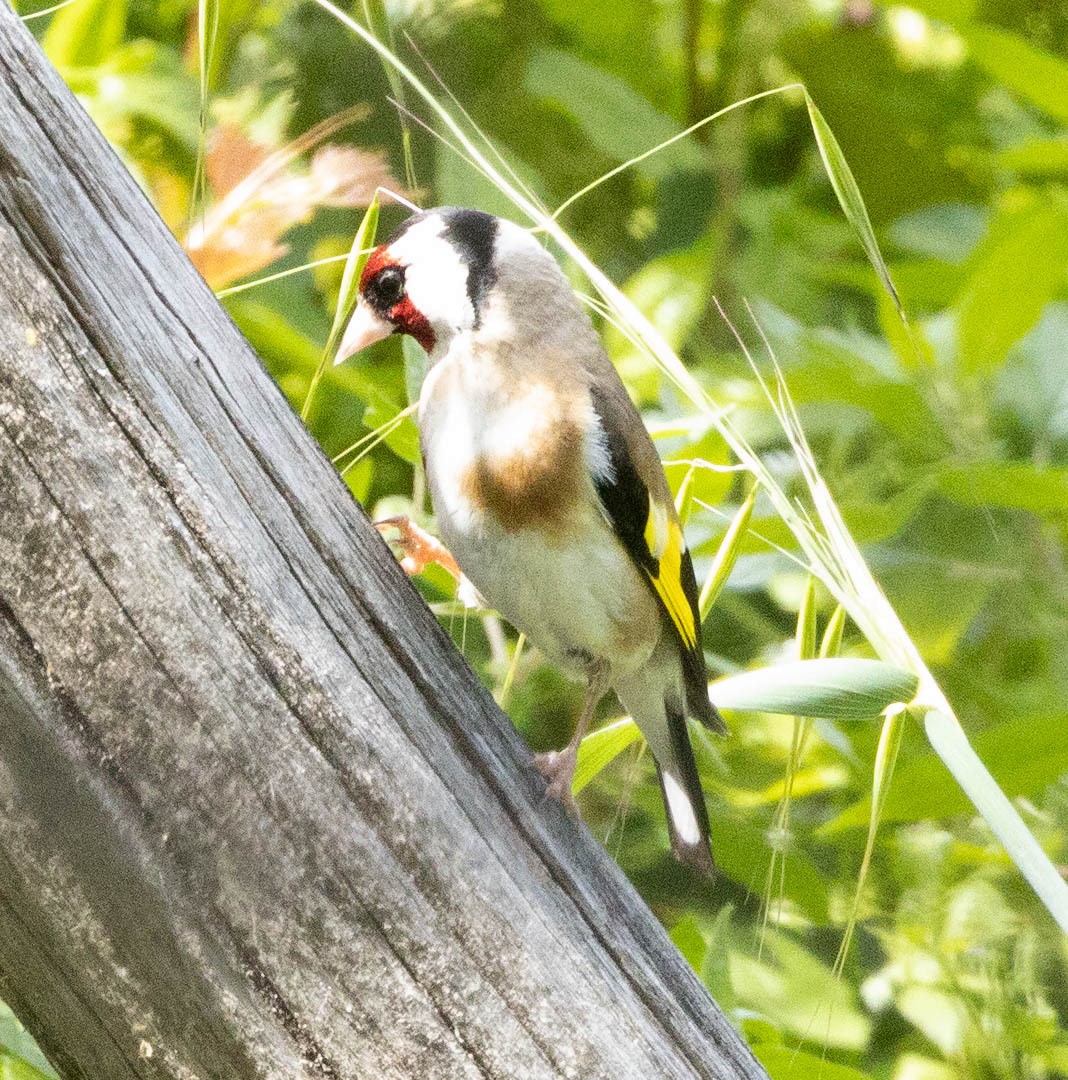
pixel 430 280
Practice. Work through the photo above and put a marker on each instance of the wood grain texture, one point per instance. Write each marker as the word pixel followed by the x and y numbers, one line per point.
pixel 257 817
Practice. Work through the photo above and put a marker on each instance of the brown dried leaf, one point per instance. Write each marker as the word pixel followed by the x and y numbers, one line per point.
pixel 264 196
pixel 231 157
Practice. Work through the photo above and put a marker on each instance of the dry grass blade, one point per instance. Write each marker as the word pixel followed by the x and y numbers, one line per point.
pixel 46 11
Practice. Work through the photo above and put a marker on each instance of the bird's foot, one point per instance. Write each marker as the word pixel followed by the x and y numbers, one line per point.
pixel 417 547
pixel 558 767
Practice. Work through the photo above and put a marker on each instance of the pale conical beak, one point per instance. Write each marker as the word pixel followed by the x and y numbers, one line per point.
pixel 365 328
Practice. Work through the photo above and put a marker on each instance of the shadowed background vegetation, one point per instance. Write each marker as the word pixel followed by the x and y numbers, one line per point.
pixel 947 453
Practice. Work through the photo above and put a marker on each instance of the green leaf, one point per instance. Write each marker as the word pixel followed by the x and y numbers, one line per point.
pixel 457 183
pixel 600 747
pixel 726 555
pixel 1012 485
pixel 1037 76
pixel 832 633
pixel 688 939
pixel 949 741
pixel 849 197
pixel 207 40
pixel 993 804
pixel 922 789
pixel 671 292
pixel 742 854
pixel 801 993
pixel 292 357
pixel 1037 157
pixel 829 689
pixel 789 1063
pixel 228 19
pixel 281 346
pixel 1015 272
pixel 415 366
pixel 829 367
pixel 86 33
pixel 16 1068
pixel 614 117
pixel 141 81
pixel 19 1054
pixel 348 295
pixel 867 522
pixel 403 439
pixel 805 634
pixel 359 253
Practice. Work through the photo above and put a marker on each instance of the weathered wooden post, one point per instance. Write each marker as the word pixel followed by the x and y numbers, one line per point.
pixel 257 817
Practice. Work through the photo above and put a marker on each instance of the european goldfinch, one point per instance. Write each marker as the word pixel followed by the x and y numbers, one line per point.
pixel 546 486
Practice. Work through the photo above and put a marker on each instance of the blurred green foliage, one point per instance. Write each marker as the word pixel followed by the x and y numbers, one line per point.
pixel 947 450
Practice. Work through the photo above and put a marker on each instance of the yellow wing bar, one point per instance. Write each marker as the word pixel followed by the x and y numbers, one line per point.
pixel 664 539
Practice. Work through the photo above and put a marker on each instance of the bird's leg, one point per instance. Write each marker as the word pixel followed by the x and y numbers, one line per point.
pixel 418 547
pixel 558 766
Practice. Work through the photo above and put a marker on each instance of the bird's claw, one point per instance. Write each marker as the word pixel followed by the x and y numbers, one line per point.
pixel 418 548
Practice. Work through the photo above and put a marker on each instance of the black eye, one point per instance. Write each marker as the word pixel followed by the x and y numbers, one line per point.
pixel 387 288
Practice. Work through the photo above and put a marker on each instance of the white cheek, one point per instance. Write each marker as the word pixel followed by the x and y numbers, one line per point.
pixel 438 289
pixel 436 277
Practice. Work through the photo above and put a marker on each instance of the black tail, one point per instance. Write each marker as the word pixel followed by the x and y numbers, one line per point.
pixel 699 704
pixel 694 671
pixel 684 798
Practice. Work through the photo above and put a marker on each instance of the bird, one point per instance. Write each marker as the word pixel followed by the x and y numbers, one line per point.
pixel 546 487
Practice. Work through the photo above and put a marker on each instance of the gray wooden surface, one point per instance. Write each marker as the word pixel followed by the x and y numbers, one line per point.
pixel 257 818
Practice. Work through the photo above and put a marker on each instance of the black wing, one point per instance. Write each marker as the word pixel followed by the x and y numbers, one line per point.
pixel 628 505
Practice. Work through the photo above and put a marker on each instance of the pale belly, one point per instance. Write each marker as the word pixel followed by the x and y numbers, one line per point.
pixel 534 541
pixel 578 597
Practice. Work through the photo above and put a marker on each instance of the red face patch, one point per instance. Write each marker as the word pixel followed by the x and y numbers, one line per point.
pixel 411 321
pixel 377 261
pixel 404 315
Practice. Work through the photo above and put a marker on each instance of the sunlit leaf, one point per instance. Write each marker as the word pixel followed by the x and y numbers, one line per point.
pixel 726 555
pixel 348 295
pixel 403 438
pixel 1038 76
pixel 86 33
pixel 359 253
pixel 688 939
pixel 950 11
pixel 614 117
pixel 1037 157
pixel 672 292
pixel 832 689
pixel 801 993
pixel 790 1063
pixel 16 1068
pixel 832 633
pixel 1025 756
pixel 19 1054
pixel 601 747
pixel 1015 272
pixel 805 634
pixel 1012 485
pixel 849 197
